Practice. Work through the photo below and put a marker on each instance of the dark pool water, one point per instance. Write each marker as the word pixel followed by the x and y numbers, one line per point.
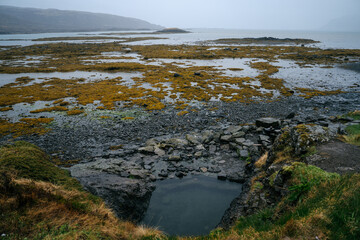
pixel 189 206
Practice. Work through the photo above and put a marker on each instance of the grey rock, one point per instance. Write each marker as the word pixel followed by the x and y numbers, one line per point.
pixel 147 149
pixel 264 138
pixel 226 138
pixel 238 134
pixel 194 138
pixel 159 151
pixel 225 147
pixel 268 122
pixel 200 147
pixel 198 154
pixel 240 140
pixel 177 142
pixel 163 173
pixel 174 158
pixel 212 149
pixel 221 176
pixel 207 136
pixel 151 142
pixel 180 174
pixel 243 154
pixel 129 198
pixel 232 129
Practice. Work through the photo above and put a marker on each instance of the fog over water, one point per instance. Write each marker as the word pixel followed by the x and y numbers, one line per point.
pixel 334 15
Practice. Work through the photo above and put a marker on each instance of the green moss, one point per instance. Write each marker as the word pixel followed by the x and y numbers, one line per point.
pixel 29 161
pixel 353 136
pixel 272 178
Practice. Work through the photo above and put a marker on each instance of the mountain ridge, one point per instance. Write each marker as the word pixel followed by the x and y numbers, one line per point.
pixel 35 20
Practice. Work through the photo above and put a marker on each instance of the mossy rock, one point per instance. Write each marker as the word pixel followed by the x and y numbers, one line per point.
pixel 29 161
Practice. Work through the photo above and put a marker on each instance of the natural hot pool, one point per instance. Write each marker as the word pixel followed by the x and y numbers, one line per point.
pixel 190 206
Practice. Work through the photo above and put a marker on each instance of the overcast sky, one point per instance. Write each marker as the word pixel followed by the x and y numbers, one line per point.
pixel 240 14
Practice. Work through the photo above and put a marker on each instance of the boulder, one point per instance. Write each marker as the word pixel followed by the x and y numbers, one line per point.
pixel 268 122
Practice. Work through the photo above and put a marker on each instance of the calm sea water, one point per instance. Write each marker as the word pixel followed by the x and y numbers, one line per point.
pixel 327 39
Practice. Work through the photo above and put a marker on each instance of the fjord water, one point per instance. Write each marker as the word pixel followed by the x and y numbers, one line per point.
pixel 190 206
pixel 346 40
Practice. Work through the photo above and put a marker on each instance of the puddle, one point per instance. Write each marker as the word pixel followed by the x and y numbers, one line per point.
pixel 190 206
pixel 225 65
pixel 88 76
pixel 352 66
pixel 318 78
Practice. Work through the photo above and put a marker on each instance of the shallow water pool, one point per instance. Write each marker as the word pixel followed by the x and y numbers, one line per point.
pixel 190 206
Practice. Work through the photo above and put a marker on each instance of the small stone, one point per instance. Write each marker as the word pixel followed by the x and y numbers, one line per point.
pixel 207 136
pixel 203 169
pixel 194 139
pixel 159 151
pixel 171 169
pixel 225 147
pixel 248 143
pixel 290 115
pixel 238 134
pixel 264 138
pixel 268 122
pixel 147 167
pixel 177 142
pixel 147 149
pixel 200 147
pixel 180 174
pixel 163 173
pixel 222 162
pixel 212 149
pixel 240 140
pixel 174 158
pixel 233 129
pixel 243 154
pixel 221 176
pixel 151 142
pixel 214 169
pixel 226 138
pixel 198 154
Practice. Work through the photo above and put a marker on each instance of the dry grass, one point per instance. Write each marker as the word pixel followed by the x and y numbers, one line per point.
pixel 262 160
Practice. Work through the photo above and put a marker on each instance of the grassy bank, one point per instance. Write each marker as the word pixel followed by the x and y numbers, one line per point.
pixel 41 201
pixel 319 205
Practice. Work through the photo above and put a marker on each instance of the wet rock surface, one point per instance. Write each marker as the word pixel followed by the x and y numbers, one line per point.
pixel 160 145
pixel 310 143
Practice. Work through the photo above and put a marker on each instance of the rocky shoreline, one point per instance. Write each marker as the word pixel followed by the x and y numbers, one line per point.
pixel 223 143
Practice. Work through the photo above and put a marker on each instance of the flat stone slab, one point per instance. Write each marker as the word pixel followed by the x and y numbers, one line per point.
pixel 268 122
pixel 337 156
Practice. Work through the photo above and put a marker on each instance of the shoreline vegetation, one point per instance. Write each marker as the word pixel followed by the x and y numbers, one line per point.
pixel 168 85
pixel 265 41
pixel 41 201
pixel 292 199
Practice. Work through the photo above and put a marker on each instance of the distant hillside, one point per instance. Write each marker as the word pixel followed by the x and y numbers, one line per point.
pixel 344 24
pixel 34 20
